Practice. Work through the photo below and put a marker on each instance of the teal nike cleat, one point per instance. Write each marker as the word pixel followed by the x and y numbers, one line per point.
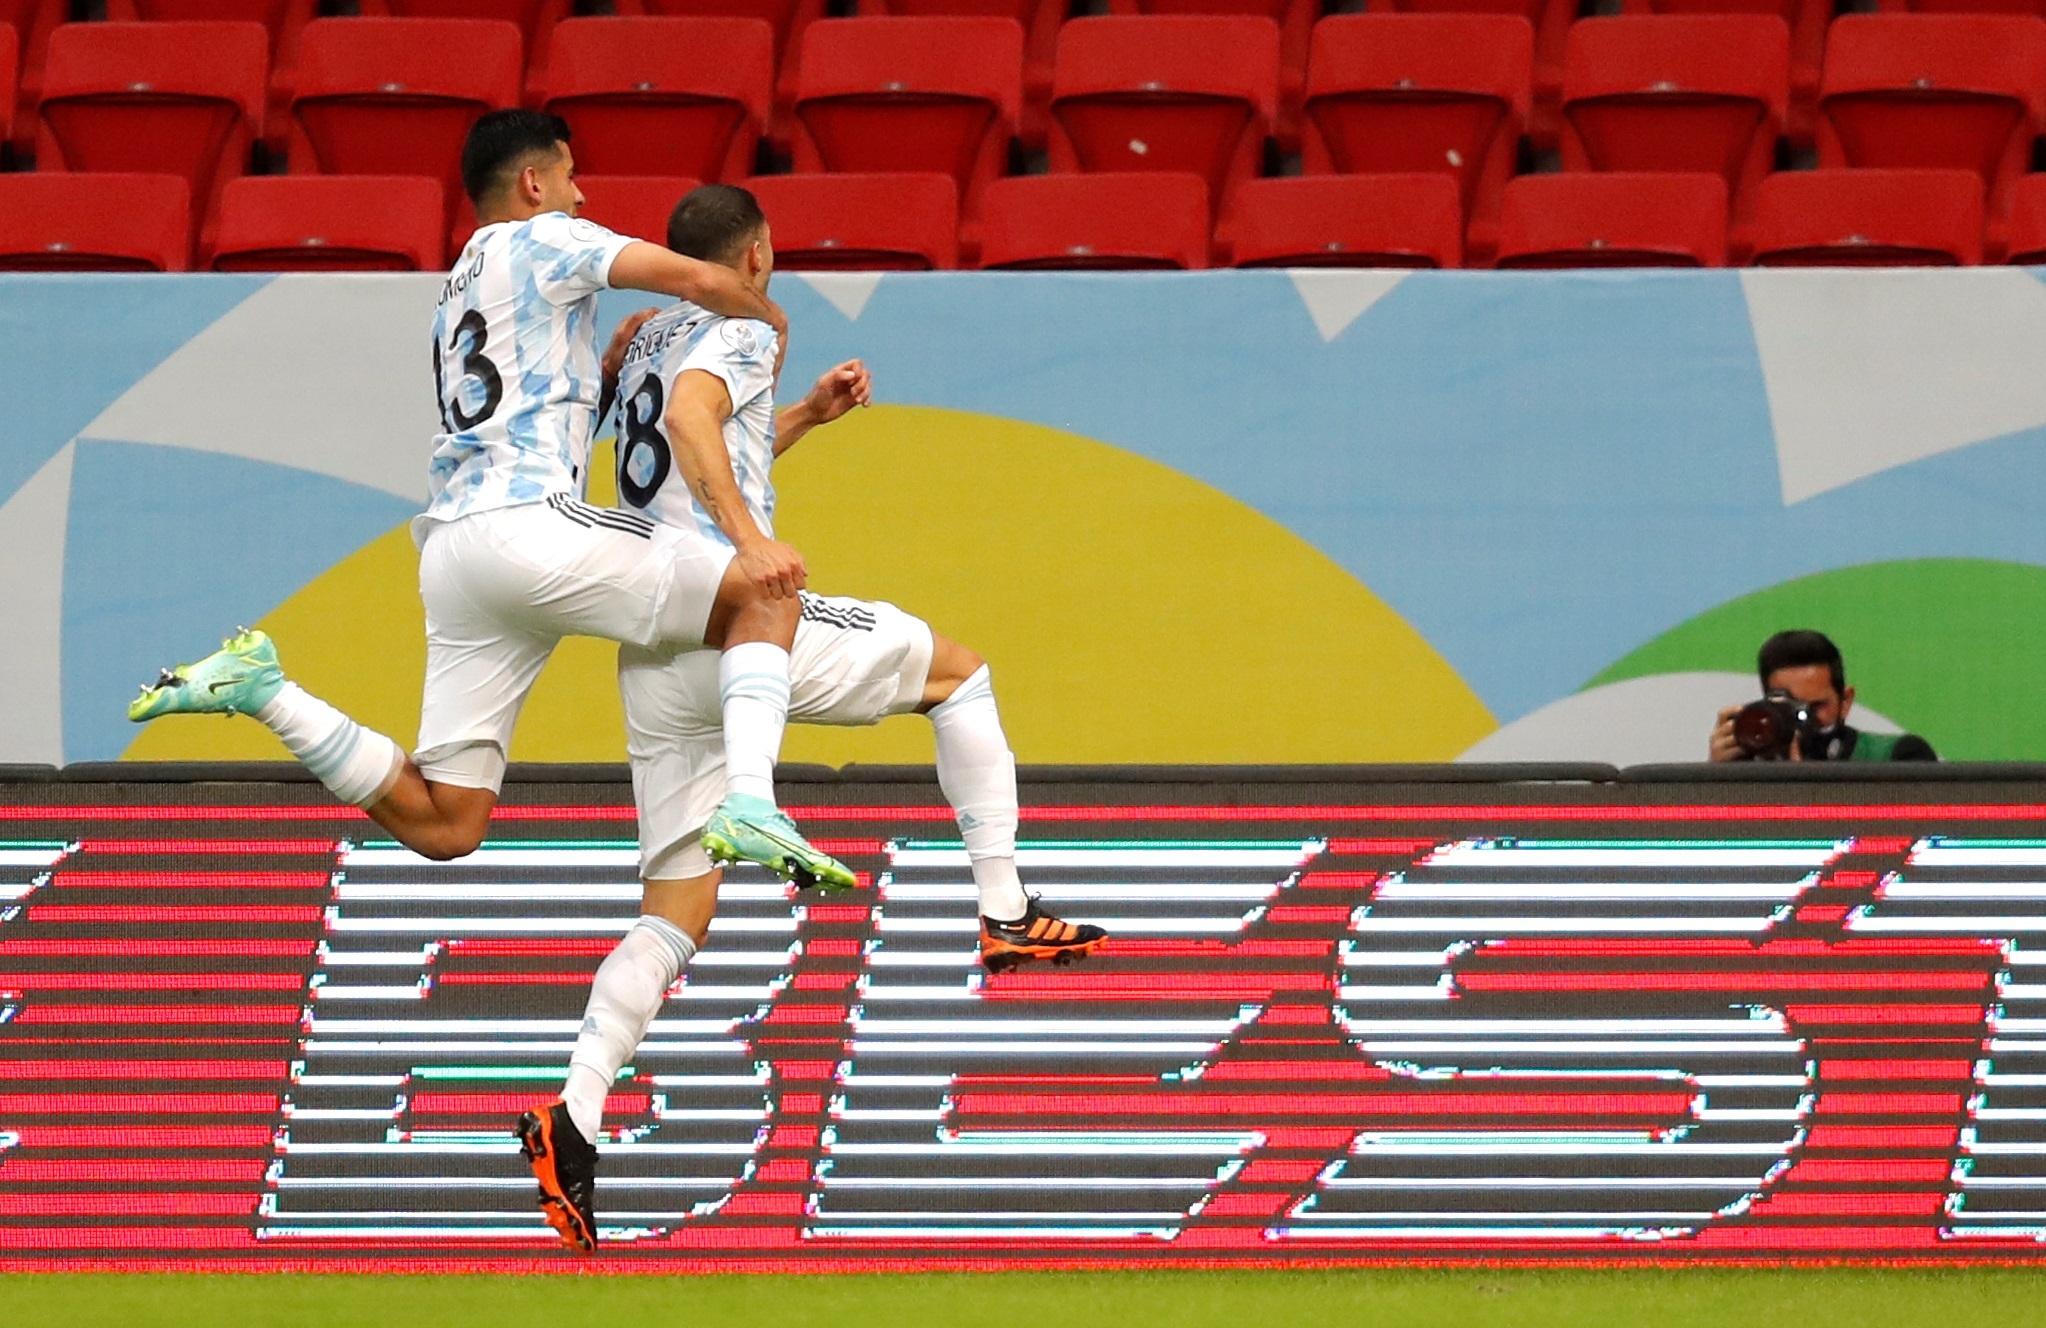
pixel 755 830
pixel 237 679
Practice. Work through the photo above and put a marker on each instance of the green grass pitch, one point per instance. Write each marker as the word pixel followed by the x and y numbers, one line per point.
pixel 1383 1298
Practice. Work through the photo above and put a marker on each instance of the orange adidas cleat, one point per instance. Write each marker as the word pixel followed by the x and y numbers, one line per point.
pixel 565 1164
pixel 1036 935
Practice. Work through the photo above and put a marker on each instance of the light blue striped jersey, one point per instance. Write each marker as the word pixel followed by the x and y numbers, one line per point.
pixel 515 364
pixel 741 352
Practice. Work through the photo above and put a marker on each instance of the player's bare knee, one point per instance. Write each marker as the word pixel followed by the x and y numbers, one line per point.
pixel 951 665
pixel 744 612
pixel 459 823
pixel 444 843
pixel 772 620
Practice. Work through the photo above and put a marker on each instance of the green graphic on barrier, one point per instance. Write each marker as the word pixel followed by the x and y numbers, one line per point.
pixel 1947 647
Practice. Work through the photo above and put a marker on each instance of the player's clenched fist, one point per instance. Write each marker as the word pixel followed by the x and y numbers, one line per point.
pixel 838 391
pixel 773 568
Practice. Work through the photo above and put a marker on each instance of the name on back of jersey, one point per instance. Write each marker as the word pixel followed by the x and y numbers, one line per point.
pixel 651 342
pixel 458 280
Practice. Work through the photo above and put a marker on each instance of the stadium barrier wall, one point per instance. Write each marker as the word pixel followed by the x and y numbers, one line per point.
pixel 1212 517
pixel 1534 1015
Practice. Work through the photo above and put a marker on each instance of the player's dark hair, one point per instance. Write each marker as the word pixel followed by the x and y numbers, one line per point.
pixel 715 222
pixel 499 144
pixel 1791 650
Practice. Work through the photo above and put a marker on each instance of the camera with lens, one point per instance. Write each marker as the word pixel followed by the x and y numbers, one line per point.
pixel 1765 729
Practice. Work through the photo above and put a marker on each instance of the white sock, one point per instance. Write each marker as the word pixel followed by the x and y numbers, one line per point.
pixel 631 983
pixel 358 764
pixel 978 774
pixel 753 683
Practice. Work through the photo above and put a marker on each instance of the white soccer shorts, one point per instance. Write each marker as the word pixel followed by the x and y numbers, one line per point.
pixel 855 663
pixel 502 587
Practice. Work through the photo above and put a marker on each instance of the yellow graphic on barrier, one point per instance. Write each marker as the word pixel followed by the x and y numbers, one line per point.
pixel 1130 613
pixel 355 636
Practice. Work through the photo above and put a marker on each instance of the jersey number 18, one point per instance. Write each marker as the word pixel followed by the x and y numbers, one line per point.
pixel 643 456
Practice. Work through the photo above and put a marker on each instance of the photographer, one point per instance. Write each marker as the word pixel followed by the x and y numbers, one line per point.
pixel 1803 714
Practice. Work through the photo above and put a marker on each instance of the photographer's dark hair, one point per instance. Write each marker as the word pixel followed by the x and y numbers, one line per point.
pixel 715 222
pixel 499 145
pixel 1790 650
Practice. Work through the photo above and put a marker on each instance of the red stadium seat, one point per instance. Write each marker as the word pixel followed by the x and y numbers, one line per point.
pixel 790 18
pixel 1041 20
pixel 1807 20
pixel 31 22
pixel 1551 20
pixel 379 96
pixel 1682 92
pixel 2024 237
pixel 910 95
pixel 1181 93
pixel 1934 90
pixel 57 222
pixel 663 96
pixel 535 18
pixel 906 223
pixel 1296 19
pixel 1615 219
pixel 1422 92
pixel 284 19
pixel 155 98
pixel 1345 221
pixel 1868 218
pixel 326 223
pixel 635 205
pixel 462 224
pixel 1147 219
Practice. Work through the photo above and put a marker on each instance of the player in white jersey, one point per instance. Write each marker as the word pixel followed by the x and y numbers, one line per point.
pixel 511 559
pixel 696 389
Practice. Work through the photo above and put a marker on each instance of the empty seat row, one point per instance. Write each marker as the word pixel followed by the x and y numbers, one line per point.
pixel 1403 92
pixel 1115 220
pixel 539 20
pixel 284 20
pixel 1040 19
pixel 1835 218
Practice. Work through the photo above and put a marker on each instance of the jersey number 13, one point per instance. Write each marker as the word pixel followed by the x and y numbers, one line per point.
pixel 475 364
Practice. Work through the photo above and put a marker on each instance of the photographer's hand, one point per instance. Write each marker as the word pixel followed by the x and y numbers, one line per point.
pixel 1723 747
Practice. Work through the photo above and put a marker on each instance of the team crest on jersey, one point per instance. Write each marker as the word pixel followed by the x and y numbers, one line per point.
pixel 742 338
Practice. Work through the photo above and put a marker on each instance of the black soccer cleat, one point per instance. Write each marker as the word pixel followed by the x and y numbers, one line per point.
pixel 565 1164
pixel 1036 935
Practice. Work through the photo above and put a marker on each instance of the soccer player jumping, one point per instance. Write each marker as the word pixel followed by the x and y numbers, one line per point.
pixel 511 560
pixel 698 434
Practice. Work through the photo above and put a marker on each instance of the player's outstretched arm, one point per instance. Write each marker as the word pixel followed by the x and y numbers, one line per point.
pixel 649 267
pixel 697 410
pixel 838 391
